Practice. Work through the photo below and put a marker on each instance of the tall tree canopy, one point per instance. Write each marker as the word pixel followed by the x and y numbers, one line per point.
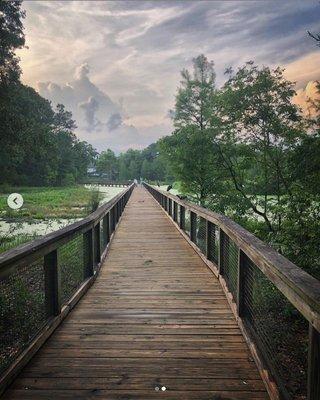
pixel 188 149
pixel 11 38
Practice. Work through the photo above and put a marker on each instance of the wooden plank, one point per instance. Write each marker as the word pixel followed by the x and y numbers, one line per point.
pixel 313 364
pixel 134 394
pixel 155 316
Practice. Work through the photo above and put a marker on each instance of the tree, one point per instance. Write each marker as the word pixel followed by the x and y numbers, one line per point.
pixel 256 110
pixel 196 95
pixel 107 164
pixel 188 150
pixel 11 38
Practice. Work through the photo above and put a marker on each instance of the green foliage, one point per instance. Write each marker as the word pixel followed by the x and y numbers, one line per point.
pixel 94 201
pixel 147 164
pixel 246 151
pixel 12 38
pixel 188 150
pixel 37 144
pixel 107 165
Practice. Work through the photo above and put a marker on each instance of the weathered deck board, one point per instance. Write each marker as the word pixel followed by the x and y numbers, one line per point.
pixel 155 316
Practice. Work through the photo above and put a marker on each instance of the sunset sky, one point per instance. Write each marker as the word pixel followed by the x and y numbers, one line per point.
pixel 116 65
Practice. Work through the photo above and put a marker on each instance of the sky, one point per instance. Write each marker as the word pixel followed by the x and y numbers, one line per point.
pixel 116 64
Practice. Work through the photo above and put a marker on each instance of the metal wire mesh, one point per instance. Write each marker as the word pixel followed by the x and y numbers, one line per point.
pixel 229 262
pixel 278 328
pixel 187 222
pixel 213 242
pixel 178 214
pixel 22 310
pixel 170 207
pixel 201 234
pixel 71 264
pixel 104 232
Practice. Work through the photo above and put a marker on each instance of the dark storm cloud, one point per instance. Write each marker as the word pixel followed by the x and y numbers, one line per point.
pixel 114 121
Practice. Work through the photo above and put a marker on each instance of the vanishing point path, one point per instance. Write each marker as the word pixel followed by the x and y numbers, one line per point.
pixel 155 324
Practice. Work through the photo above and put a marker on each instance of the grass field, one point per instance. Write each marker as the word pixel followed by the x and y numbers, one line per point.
pixel 44 202
pixel 46 210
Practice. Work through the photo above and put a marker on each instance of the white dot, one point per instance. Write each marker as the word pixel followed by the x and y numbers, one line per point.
pixel 163 388
pixel 156 388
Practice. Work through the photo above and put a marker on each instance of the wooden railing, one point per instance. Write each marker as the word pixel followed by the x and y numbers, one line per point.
pixel 41 281
pixel 276 303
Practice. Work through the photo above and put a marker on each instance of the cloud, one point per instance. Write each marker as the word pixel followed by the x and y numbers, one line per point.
pixel 82 71
pixel 114 121
pixel 100 120
pixel 305 95
pixel 136 49
pixel 90 107
pixel 305 69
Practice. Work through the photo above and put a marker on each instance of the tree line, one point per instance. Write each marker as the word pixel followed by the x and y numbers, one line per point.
pixel 147 164
pixel 38 145
pixel 246 150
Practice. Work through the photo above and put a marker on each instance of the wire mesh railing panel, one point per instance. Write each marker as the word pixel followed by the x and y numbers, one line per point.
pixel 22 310
pixel 213 243
pixel 279 329
pixel 178 214
pixel 229 263
pixel 187 222
pixel 71 265
pixel 202 234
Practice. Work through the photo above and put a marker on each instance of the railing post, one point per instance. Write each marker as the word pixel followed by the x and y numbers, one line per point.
pixel 182 217
pixel 117 212
pixel 52 284
pixel 97 252
pixel 88 253
pixel 240 283
pixel 221 252
pixel 112 219
pixel 193 227
pixel 170 207
pixel 313 364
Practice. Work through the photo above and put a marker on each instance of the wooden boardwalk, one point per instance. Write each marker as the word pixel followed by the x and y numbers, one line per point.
pixel 155 317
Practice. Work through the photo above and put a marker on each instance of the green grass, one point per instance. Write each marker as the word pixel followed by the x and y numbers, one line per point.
pixel 9 242
pixel 47 202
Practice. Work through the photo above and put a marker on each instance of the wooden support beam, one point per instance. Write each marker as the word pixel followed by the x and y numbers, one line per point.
pixel 314 364
pixel 240 283
pixel 182 218
pixel 97 251
pixel 193 227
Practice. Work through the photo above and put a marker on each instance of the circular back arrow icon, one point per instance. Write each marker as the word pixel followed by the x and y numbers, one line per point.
pixel 15 201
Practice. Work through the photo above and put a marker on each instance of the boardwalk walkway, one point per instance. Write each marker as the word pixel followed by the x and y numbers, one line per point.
pixel 156 316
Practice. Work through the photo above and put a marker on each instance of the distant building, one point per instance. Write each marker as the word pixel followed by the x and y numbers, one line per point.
pixel 92 171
